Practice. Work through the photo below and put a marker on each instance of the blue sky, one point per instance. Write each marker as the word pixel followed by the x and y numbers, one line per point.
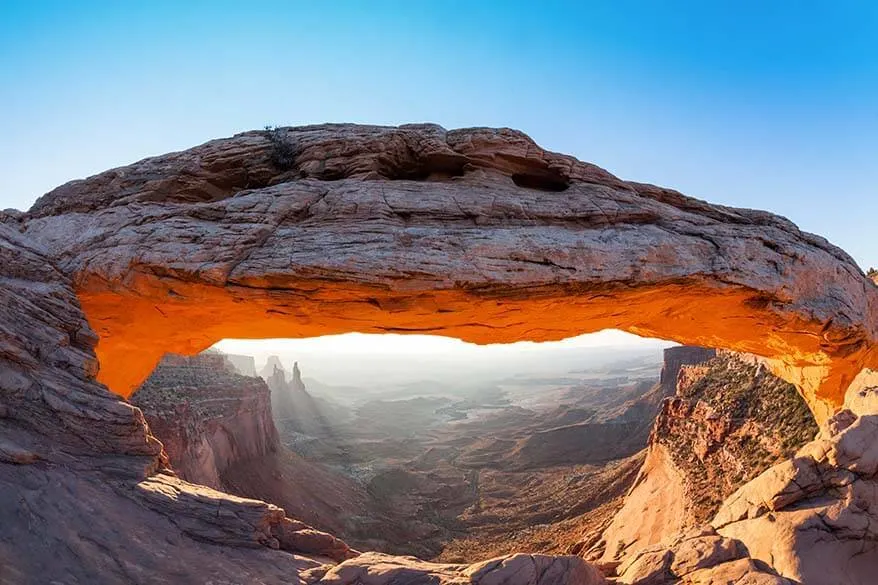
pixel 771 105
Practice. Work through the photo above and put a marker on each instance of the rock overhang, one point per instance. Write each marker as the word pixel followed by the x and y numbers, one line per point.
pixel 474 233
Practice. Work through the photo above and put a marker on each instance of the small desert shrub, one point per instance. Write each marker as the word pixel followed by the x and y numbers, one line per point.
pixel 283 150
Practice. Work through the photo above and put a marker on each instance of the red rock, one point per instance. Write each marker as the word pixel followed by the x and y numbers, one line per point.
pixel 207 416
pixel 476 233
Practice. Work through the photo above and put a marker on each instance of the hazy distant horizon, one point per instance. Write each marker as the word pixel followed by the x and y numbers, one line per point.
pixel 351 358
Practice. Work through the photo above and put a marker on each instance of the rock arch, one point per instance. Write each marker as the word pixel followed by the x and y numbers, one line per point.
pixel 475 233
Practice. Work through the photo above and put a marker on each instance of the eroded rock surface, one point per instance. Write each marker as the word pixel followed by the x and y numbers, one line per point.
pixel 815 517
pixel 81 497
pixel 696 557
pixel 730 420
pixel 520 569
pixel 474 233
pixel 207 416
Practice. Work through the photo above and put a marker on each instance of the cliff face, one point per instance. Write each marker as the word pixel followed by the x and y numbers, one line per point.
pixel 813 517
pixel 218 430
pixel 243 364
pixel 729 421
pixel 207 416
pixel 677 357
pixel 286 394
pixel 82 495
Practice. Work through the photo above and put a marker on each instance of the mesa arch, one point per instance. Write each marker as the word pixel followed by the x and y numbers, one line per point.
pixel 474 233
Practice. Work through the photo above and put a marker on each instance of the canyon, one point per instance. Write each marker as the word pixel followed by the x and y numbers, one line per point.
pixel 450 482
pixel 478 234
pixel 433 466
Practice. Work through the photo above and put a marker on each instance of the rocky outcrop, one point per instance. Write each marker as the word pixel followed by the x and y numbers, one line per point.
pixel 217 429
pixel 296 411
pixel 675 358
pixel 476 233
pixel 270 369
pixel 243 364
pixel 815 517
pixel 206 415
pixel 49 404
pixel 697 557
pixel 81 499
pixel 286 395
pixel 730 420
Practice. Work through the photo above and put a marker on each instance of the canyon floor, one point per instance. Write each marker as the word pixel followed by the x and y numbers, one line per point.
pixel 437 470
pixel 598 462
pixel 466 475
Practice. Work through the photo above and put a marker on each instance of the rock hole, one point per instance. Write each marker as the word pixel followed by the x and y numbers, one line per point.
pixel 542 181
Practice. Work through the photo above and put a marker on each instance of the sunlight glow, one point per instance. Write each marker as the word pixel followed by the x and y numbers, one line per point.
pixel 391 343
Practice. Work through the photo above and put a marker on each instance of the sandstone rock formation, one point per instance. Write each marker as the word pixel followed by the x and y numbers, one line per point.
pixel 243 364
pixel 378 569
pixel 207 416
pixel 729 420
pixel 217 429
pixel 287 396
pixel 81 498
pixel 675 358
pixel 813 517
pixel 697 557
pixel 297 411
pixel 476 233
pixel 270 369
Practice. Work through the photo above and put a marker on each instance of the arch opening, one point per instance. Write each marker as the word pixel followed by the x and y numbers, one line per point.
pixel 157 316
pixel 410 432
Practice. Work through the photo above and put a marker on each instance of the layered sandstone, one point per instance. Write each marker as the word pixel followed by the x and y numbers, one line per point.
pixel 82 498
pixel 729 420
pixel 521 569
pixel 696 557
pixel 476 233
pixel 674 358
pixel 815 517
pixel 243 364
pixel 218 430
pixel 206 415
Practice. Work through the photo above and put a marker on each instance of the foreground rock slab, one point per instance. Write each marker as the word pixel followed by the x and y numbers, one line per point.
pixel 815 517
pixel 520 569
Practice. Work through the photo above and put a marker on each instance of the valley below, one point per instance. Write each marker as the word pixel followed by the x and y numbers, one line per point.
pixel 587 463
pixel 434 469
pixel 466 474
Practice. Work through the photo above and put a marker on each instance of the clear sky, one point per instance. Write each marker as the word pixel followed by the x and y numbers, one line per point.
pixel 760 104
